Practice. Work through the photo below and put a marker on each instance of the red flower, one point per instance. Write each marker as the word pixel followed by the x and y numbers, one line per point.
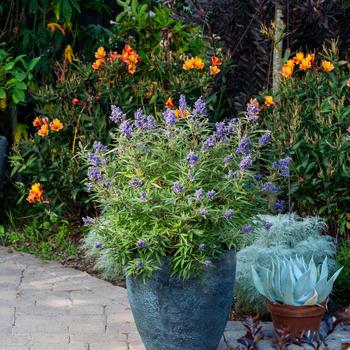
pixel 76 101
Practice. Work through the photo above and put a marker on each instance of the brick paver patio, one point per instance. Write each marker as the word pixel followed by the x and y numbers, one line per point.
pixel 45 306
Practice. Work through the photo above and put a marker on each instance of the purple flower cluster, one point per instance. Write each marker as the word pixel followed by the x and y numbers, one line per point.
pixel 253 110
pixel 126 128
pixel 182 103
pixel 210 142
pixel 229 214
pixel 143 196
pixel 99 147
pixel 221 131
pixel 192 159
pixel 267 225
pixel 231 125
pixel 140 244
pixel 211 194
pixel 202 246
pixel 265 139
pixel 88 221
pixel 98 245
pixel 94 174
pixel 246 163
pixel 139 265
pixel 246 228
pixel 269 187
pixel 203 211
pixel 117 116
pixel 177 188
pixel 279 205
pixel 169 117
pixel 135 183
pixel 199 108
pixel 144 122
pixel 228 159
pixel 94 159
pixel 243 147
pixel 199 194
pixel 283 166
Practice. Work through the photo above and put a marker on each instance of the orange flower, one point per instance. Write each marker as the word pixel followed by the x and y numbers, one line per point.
pixel 98 64
pixel 193 63
pixel 311 57
pixel 56 125
pixel 305 64
pixel 182 114
pixel 100 53
pixel 35 193
pixel 169 103
pixel 132 68
pixel 44 130
pixel 127 51
pixel 298 57
pixel 112 56
pixel 214 70
pixel 215 61
pixel 288 69
pixel 348 83
pixel 37 122
pixel 327 66
pixel 269 101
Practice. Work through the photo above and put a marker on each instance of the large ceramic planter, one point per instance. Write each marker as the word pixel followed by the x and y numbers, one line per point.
pixel 296 318
pixel 175 314
pixel 3 151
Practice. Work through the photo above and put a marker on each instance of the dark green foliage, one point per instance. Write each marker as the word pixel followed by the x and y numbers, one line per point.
pixel 343 259
pixel 238 22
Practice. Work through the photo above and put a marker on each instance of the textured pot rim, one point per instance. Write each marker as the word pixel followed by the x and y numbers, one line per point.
pixel 303 311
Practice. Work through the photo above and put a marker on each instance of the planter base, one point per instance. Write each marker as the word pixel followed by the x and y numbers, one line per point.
pixel 175 314
pixel 296 318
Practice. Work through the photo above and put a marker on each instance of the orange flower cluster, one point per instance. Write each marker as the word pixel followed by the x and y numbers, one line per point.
pixel 129 56
pixel 305 62
pixel 348 83
pixel 215 63
pixel 35 193
pixel 44 126
pixel 169 103
pixel 327 66
pixel 193 63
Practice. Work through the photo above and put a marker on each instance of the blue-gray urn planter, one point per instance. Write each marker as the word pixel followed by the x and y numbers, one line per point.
pixel 175 314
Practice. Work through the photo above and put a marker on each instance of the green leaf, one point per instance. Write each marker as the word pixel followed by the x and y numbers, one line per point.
pixel 33 63
pixel 2 93
pixel 18 96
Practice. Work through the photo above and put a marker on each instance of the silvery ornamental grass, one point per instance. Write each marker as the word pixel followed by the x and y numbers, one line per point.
pixel 176 185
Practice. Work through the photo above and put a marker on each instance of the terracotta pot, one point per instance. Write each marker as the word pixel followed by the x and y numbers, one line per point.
pixel 296 318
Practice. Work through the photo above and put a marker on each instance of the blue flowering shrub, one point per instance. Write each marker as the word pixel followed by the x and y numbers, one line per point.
pixel 173 184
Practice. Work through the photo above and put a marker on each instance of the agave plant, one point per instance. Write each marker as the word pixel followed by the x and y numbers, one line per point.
pixel 294 282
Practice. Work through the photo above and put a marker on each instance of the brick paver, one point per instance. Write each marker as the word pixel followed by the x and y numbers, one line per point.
pixel 46 306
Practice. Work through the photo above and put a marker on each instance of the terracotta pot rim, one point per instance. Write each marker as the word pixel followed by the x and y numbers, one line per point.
pixel 323 305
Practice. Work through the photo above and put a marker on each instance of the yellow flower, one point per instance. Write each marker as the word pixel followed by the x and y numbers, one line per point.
pixel 298 57
pixel 188 65
pixel 56 125
pixel 290 63
pixel 214 70
pixel 68 54
pixel 3 104
pixel 305 64
pixel 327 66
pixel 44 130
pixel 55 26
pixel 100 53
pixel 287 70
pixel 269 101
pixel 35 193
pixel 182 114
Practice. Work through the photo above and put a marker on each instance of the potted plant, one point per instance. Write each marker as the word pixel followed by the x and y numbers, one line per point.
pixel 176 195
pixel 297 293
